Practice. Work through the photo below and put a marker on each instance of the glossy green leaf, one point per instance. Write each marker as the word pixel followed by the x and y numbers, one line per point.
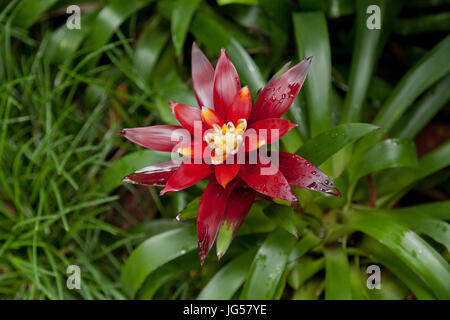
pixel 424 110
pixel 229 279
pixel 311 35
pixel 155 252
pixel 166 273
pixel 128 164
pixel 306 268
pixel 387 154
pixel 337 275
pixel 430 163
pixel 435 160
pixel 435 228
pixel 268 266
pixel 423 75
pixel 421 218
pixel 320 148
pixel 190 211
pixel 383 255
pixel 438 210
pixel 409 247
pixel 308 241
pixel 181 18
pixel 363 61
pixel 282 216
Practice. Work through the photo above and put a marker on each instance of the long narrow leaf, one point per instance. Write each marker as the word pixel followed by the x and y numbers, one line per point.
pixel 155 252
pixel 409 247
pixel 268 266
pixel 311 35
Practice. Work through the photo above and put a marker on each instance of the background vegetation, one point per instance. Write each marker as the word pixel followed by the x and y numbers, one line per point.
pixel 64 94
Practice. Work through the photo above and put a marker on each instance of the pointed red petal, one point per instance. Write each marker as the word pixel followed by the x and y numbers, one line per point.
pixel 278 97
pixel 226 85
pixel 272 129
pixel 186 115
pixel 304 174
pixel 239 204
pixel 210 117
pixel 282 70
pixel 202 77
pixel 193 149
pixel 241 106
pixel 187 175
pixel 161 138
pixel 210 212
pixel 253 141
pixel 154 175
pixel 268 180
pixel 226 172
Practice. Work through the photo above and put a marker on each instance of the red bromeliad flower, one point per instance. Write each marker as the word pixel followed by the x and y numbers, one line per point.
pixel 227 126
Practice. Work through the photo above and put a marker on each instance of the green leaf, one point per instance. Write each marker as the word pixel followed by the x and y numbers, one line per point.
pixel 309 241
pixel 155 252
pixel 277 12
pixel 409 247
pixel 306 268
pixel 363 61
pixel 320 148
pixel 215 36
pixel 268 266
pixel 430 163
pixel 340 8
pixel 358 283
pixel 64 42
pixel 166 273
pixel 29 11
pixel 284 217
pixel 387 154
pixel 423 75
pixel 190 211
pixel 148 49
pixel 311 35
pixel 422 24
pixel 337 275
pixel 248 2
pixel 382 255
pixel 229 279
pixel 110 18
pixel 435 160
pixel 128 164
pixel 424 110
pixel 391 289
pixel 437 210
pixel 181 18
pixel 311 290
pixel 421 221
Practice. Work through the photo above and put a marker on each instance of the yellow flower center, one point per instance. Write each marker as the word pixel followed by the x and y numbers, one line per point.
pixel 225 140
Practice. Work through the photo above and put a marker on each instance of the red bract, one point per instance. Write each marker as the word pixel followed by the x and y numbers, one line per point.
pixel 218 139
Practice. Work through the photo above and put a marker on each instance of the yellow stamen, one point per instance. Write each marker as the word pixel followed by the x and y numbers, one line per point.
pixel 225 140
